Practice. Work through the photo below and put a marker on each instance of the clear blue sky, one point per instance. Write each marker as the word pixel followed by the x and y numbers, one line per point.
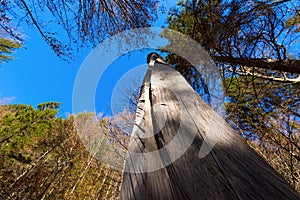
pixel 37 75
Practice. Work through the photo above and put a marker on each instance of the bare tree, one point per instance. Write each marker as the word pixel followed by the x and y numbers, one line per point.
pixel 67 25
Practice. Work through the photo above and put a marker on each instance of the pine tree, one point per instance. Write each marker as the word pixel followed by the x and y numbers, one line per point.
pixel 7 46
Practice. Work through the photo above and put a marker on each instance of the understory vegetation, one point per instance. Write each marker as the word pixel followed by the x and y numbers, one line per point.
pixel 42 157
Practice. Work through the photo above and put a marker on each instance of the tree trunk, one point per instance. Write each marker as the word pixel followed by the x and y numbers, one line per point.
pixel 171 156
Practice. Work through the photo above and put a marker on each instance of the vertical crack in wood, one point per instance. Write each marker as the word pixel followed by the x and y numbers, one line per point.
pixel 169 107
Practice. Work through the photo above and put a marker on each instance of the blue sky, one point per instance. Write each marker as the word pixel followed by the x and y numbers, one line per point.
pixel 37 75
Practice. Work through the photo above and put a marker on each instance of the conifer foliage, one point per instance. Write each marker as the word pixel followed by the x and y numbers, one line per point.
pixel 6 48
pixel 42 157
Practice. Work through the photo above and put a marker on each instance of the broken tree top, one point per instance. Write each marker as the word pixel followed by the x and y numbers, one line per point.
pixel 181 149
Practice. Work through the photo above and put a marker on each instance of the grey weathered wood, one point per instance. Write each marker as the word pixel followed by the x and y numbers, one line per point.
pixel 172 113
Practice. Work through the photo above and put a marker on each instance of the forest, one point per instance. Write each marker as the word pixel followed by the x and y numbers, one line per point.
pixel 254 44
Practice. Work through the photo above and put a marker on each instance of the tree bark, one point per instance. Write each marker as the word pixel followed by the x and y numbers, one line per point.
pixel 181 149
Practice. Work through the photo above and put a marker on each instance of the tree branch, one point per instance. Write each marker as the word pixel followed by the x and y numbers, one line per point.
pixel 282 79
pixel 291 66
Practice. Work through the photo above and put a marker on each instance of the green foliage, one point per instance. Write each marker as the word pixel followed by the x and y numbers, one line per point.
pixel 202 20
pixel 41 156
pixel 238 29
pixel 267 114
pixel 255 99
pixel 6 48
pixel 49 105
pixel 264 111
pixel 294 22
pixel 22 129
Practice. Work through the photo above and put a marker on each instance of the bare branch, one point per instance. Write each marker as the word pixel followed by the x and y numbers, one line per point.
pixel 291 66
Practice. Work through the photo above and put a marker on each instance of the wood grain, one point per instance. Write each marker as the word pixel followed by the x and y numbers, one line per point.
pixel 172 125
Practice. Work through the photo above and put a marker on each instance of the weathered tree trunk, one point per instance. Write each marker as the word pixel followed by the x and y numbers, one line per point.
pixel 163 162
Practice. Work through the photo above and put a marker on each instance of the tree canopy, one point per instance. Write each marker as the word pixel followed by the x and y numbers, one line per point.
pixel 243 33
pixel 67 25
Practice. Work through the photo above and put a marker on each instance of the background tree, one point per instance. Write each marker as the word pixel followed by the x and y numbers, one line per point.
pixel 6 47
pixel 67 25
pixel 254 44
pixel 10 38
pixel 294 21
pixel 42 157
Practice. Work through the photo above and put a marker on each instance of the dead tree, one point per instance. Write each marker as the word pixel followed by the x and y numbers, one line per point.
pixel 172 125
